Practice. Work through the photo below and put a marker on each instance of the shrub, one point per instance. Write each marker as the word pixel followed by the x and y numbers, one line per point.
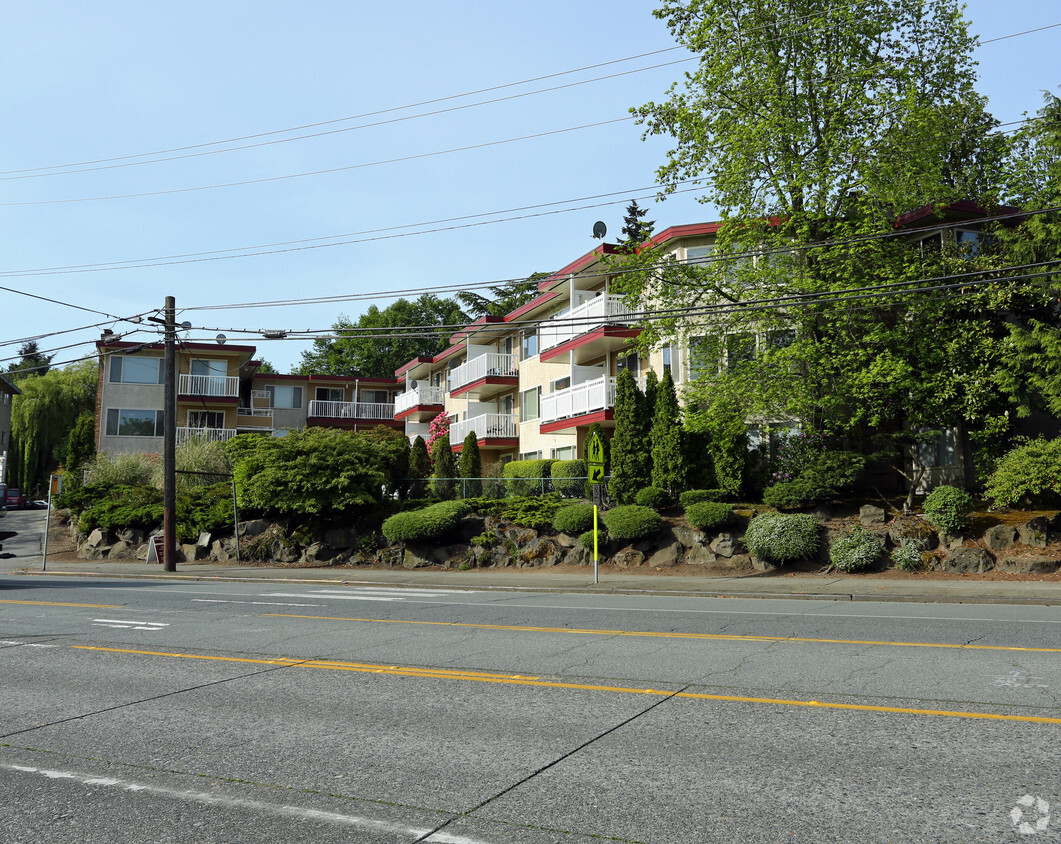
pixel 654 497
pixel 855 550
pixel 121 469
pixel 1030 472
pixel 783 537
pixel 535 512
pixel 124 507
pixel 631 521
pixel 586 539
pixel 569 477
pixel 907 557
pixel 791 495
pixel 471 468
pixel 947 508
pixel 709 515
pixel 695 496
pixel 444 467
pixel 204 508
pixel 527 477
pixel 197 455
pixel 573 519
pixel 426 524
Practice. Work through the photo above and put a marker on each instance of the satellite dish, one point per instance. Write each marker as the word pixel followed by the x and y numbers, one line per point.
pixel 221 338
pixel 599 230
pixel 412 385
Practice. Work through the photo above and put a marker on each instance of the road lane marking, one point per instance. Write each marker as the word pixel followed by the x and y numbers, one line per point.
pixel 123 624
pixel 712 637
pixel 255 603
pixel 206 798
pixel 364 594
pixel 521 680
pixel 25 644
pixel 62 604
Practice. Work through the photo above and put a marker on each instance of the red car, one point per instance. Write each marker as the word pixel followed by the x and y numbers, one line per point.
pixel 14 499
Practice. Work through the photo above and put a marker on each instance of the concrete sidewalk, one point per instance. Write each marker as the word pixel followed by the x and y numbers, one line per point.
pixel 772 585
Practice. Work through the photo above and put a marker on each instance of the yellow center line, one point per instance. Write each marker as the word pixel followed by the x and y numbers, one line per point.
pixel 521 680
pixel 715 637
pixel 61 604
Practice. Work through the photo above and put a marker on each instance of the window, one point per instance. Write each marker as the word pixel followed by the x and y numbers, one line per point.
pixel 206 419
pixel 631 361
pixel 506 405
pixel 134 370
pixel 740 349
pixel 506 346
pixel 566 452
pixel 939 452
pixel 374 396
pixel 134 423
pixel 529 403
pixel 671 362
pixel 781 339
pixel 210 367
pixel 530 455
pixel 696 254
pixel 284 396
pixel 530 343
pixel 329 394
pixel 704 355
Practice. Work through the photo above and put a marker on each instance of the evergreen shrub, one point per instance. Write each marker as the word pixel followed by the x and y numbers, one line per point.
pixel 631 521
pixel 855 550
pixel 586 539
pixel 569 477
pixel 426 524
pixel 528 477
pixel 137 507
pixel 536 511
pixel 573 519
pixel 654 497
pixel 709 515
pixel 791 495
pixel 1031 473
pixel 695 496
pixel 947 508
pixel 783 537
pixel 907 557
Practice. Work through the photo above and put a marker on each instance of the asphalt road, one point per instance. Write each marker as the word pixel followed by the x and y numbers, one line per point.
pixel 178 711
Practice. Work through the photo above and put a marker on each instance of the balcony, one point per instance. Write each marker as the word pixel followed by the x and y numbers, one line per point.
pixel 497 429
pixel 485 375
pixel 351 413
pixel 583 404
pixel 422 400
pixel 593 328
pixel 214 386
pixel 208 434
pixel 254 418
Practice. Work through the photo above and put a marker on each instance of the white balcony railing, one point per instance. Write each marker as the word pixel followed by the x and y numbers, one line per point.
pixel 417 429
pixel 209 385
pixel 484 366
pixel 264 412
pixel 352 410
pixel 421 395
pixel 487 426
pixel 587 397
pixel 587 317
pixel 209 434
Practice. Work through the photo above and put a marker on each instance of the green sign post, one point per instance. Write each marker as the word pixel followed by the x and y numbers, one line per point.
pixel 595 470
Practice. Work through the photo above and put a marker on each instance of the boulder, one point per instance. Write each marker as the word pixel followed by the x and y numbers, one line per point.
pixel 131 536
pixel 341 538
pixel 870 515
pixel 913 529
pixel 762 565
pixel 966 559
pixel 96 539
pixel 538 552
pixel 521 536
pixel 1034 532
pixel 1000 537
pixel 687 537
pixel 698 555
pixel 726 545
pixel 418 556
pixel 1018 563
pixel 255 527
pixel 667 556
pixel 565 541
pixel 121 551
pixel 190 553
pixel 219 551
pixel 628 557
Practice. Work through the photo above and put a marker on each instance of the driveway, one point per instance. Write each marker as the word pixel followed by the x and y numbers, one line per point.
pixel 22 536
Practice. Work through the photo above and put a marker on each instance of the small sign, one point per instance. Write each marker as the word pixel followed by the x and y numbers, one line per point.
pixel 57 484
pixel 155 547
pixel 595 464
pixel 598 495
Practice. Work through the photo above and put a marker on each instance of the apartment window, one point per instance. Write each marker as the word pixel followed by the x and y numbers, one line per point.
pixel 740 349
pixel 567 452
pixel 506 346
pixel 704 354
pixel 206 419
pixel 781 339
pixel 329 394
pixel 134 370
pixel 506 405
pixel 284 396
pixel 134 423
pixel 529 344
pixel 696 254
pixel 670 362
pixel 529 404
pixel 631 361
pixel 374 396
pixel 939 452
pixel 216 368
pixel 530 455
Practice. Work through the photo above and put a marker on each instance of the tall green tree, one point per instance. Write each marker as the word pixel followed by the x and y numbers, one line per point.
pixel 393 449
pixel 43 416
pixel 504 298
pixel 445 468
pixel 668 461
pixel 31 361
pixel 419 468
pixel 471 467
pixel 630 456
pixel 80 447
pixel 636 230
pixel 382 340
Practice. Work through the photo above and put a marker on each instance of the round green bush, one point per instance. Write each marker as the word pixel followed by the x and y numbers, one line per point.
pixel 783 537
pixel 709 515
pixel 654 497
pixel 791 495
pixel 569 477
pixel 1030 472
pixel 426 524
pixel 573 519
pixel 695 496
pixel 907 557
pixel 586 539
pixel 855 550
pixel 947 508
pixel 631 521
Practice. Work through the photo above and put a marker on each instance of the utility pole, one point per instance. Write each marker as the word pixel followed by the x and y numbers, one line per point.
pixel 169 442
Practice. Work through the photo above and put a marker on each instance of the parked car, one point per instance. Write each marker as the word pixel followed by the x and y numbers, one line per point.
pixel 14 499
pixel 3 500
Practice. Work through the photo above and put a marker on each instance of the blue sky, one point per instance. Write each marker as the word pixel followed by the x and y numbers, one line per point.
pixel 86 82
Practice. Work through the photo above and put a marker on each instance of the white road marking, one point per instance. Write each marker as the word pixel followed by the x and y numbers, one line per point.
pixel 208 799
pixel 123 624
pixel 258 603
pixel 366 594
pixel 25 644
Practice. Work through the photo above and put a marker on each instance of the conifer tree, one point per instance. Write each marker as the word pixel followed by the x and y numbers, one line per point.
pixel 630 458
pixel 636 230
pixel 668 464
pixel 648 406
pixel 445 468
pixel 419 468
pixel 471 467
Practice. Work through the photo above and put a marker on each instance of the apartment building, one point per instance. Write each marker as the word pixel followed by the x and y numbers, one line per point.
pixel 7 392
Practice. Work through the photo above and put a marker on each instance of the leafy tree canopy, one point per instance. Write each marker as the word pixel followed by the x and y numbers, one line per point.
pixel 371 347
pixel 504 298
pixel 30 361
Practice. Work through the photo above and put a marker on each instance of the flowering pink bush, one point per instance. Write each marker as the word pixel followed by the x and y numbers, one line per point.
pixel 439 427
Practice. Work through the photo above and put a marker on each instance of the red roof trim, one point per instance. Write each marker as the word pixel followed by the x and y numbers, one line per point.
pixel 468 330
pixel 961 206
pixel 420 408
pixel 405 367
pixel 578 421
pixel 536 302
pixel 498 380
pixel 589 337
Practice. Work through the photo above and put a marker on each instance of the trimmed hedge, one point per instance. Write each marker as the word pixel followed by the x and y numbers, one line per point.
pixel 528 477
pixel 708 515
pixel 791 495
pixel 631 521
pixel 586 539
pixel 947 508
pixel 783 537
pixel 426 524
pixel 855 550
pixel 654 497
pixel 695 496
pixel 574 519
pixel 569 477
